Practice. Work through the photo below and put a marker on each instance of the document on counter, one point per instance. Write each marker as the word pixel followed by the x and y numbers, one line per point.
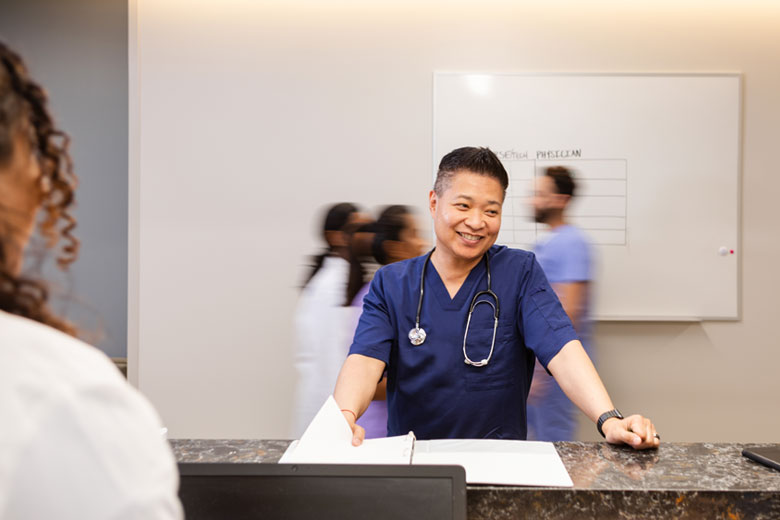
pixel 497 461
pixel 328 440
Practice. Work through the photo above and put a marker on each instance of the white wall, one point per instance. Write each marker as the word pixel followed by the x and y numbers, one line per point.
pixel 255 114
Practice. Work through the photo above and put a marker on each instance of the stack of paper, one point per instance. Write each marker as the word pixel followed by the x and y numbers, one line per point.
pixel 328 440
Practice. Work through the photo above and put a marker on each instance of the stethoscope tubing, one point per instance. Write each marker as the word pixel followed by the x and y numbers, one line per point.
pixel 417 335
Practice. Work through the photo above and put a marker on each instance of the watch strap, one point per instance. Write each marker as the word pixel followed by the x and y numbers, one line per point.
pixel 607 415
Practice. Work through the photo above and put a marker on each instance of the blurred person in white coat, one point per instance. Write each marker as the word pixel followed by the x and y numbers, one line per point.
pixel 324 318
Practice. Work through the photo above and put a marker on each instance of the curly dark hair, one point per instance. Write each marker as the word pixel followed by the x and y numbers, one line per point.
pixel 24 108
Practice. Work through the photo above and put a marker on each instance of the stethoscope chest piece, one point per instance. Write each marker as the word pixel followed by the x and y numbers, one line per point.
pixel 417 336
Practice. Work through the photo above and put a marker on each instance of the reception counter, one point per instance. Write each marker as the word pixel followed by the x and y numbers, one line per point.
pixel 676 481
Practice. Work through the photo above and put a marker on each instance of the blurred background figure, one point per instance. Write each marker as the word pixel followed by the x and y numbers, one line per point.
pixel 76 441
pixel 566 258
pixel 394 237
pixel 323 316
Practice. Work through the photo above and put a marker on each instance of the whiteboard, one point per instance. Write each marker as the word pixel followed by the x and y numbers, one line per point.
pixel 657 161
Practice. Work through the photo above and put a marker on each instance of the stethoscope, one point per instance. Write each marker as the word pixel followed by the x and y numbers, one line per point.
pixel 417 335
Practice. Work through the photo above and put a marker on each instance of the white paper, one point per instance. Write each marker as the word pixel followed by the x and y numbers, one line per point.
pixel 499 462
pixel 329 425
pixel 328 440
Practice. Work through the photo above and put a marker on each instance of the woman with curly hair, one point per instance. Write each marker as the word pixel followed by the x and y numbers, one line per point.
pixel 77 440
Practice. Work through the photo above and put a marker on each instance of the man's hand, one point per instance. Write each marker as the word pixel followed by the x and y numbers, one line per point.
pixel 578 378
pixel 635 430
pixel 358 432
pixel 355 387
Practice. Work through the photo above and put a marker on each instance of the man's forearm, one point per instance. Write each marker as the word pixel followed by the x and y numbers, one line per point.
pixel 357 382
pixel 577 377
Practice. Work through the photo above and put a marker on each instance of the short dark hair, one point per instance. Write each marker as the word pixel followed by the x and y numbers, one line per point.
pixel 563 178
pixel 477 160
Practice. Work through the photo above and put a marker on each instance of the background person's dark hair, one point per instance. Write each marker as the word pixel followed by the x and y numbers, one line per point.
pixel 336 219
pixel 563 178
pixel 388 227
pixel 24 108
pixel 481 161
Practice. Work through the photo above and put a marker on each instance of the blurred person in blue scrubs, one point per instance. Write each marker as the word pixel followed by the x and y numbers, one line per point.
pixel 324 318
pixel 76 440
pixel 566 257
pixel 395 236
pixel 458 330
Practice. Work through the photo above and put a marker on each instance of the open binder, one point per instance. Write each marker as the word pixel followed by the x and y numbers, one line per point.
pixel 328 440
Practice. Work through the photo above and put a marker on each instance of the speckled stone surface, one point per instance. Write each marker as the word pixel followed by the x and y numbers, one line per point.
pixel 682 481
pixel 676 481
pixel 228 450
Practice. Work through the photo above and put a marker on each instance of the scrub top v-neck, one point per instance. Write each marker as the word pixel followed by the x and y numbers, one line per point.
pixel 430 390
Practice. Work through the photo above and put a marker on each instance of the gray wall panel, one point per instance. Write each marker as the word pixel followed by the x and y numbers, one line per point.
pixel 78 50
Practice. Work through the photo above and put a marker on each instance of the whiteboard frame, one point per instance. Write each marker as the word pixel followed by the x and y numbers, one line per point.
pixel 739 180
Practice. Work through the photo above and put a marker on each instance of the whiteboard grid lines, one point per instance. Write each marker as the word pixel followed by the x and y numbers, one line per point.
pixel 522 236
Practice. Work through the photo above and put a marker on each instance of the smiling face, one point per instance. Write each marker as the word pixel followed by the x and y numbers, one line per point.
pixel 467 216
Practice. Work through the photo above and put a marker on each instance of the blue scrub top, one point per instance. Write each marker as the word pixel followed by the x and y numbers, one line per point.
pixel 566 256
pixel 430 390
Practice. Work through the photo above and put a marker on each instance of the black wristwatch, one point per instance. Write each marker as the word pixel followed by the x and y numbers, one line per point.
pixel 607 415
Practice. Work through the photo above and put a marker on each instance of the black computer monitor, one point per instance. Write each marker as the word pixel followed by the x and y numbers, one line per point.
pixel 239 491
pixel 766 455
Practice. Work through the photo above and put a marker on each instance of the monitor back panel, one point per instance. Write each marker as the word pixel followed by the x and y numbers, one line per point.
pixel 318 491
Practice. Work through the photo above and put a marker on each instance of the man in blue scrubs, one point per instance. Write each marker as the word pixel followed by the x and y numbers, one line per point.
pixel 451 387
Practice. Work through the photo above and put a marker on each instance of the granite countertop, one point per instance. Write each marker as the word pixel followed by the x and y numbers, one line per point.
pixel 228 450
pixel 681 481
pixel 592 465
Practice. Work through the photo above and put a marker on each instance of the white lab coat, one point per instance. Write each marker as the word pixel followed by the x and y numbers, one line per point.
pixel 76 441
pixel 324 327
